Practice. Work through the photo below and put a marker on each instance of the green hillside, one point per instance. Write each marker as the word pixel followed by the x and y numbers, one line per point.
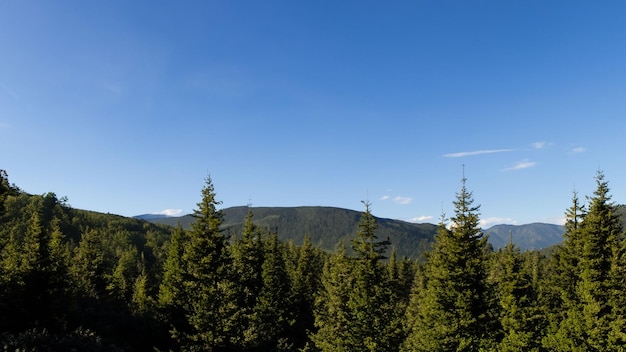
pixel 326 226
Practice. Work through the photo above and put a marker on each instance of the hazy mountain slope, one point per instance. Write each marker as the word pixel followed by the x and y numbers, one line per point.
pixel 528 236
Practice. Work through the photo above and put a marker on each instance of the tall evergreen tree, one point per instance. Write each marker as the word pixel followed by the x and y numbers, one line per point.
pixel 589 315
pixel 454 309
pixel 171 297
pixel 89 267
pixel 207 280
pixel 516 297
pixel 248 256
pixel 272 308
pixel 332 317
pixel 305 276
pixel 367 312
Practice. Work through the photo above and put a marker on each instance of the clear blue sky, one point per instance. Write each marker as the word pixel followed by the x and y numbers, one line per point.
pixel 126 106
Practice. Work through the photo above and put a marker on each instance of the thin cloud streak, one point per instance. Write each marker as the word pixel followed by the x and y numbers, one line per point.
pixel 477 152
pixel 520 165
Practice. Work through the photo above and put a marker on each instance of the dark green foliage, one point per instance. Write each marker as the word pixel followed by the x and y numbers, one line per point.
pixel 520 317
pixel 587 277
pixel 272 309
pixel 80 280
pixel 455 310
pixel 305 265
pixel 248 258
pixel 171 291
pixel 207 284
pixel 357 310
pixel 69 277
pixel 332 316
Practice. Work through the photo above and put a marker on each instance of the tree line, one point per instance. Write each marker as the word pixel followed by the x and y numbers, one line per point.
pixel 83 281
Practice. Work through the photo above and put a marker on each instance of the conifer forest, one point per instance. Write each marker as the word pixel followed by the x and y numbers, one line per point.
pixel 76 280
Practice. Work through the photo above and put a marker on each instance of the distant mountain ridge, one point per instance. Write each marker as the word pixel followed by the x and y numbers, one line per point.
pixel 527 237
pixel 328 226
pixel 150 217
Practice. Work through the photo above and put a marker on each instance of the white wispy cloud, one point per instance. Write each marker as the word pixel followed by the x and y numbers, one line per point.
pixel 578 150
pixel 476 152
pixel 402 200
pixel 520 165
pixel 488 222
pixel 421 218
pixel 385 197
pixel 170 212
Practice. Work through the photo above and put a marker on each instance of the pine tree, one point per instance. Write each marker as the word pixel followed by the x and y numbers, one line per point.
pixel 375 326
pixel 305 277
pixel 248 256
pixel 411 320
pixel 332 317
pixel 518 313
pixel 454 309
pixel 121 282
pixel 399 281
pixel 171 288
pixel 89 268
pixel 271 310
pixel 589 316
pixel 567 255
pixel 141 300
pixel 207 282
pixel 365 318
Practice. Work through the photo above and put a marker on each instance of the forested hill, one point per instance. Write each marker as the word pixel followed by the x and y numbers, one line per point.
pixel 326 226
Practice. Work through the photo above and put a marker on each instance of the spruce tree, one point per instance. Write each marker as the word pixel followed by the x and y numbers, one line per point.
pixel 589 318
pixel 272 308
pixel 248 255
pixel 454 310
pixel 332 317
pixel 207 282
pixel 367 313
pixel 171 290
pixel 305 276
pixel 89 267
pixel 516 298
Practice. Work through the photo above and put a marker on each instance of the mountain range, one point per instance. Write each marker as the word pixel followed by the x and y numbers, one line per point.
pixel 328 226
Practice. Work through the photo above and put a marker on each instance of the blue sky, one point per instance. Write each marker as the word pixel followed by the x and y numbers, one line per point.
pixel 126 106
